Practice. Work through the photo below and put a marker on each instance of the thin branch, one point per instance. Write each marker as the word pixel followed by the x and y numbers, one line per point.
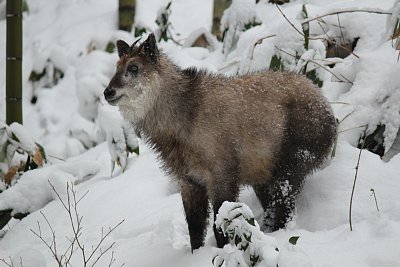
pixel 361 126
pixel 330 24
pixel 341 32
pixel 230 64
pixel 346 11
pixel 55 157
pixel 77 202
pixel 70 205
pixel 283 14
pixel 344 77
pixel 102 252
pixel 76 230
pixel 355 179
pixel 339 103
pixel 259 41
pixel 112 260
pixel 11 264
pixel 376 201
pixel 53 233
pixel 102 239
pixel 345 117
pixel 316 63
pixel 330 39
pixel 49 246
pixel 20 262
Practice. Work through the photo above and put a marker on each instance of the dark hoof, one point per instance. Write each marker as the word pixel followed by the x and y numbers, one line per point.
pixel 220 238
pixel 196 242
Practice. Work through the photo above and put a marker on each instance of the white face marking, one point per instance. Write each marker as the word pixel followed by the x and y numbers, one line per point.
pixel 139 97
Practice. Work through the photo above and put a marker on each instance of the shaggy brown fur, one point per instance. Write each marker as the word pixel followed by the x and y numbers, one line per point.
pixel 214 133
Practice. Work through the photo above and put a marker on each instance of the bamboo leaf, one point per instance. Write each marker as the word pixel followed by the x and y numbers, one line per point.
pixel 38 158
pixel 12 171
pixel 136 150
pixel 293 240
pixel 42 152
pixel 276 63
pixel 3 151
pixel 251 221
pixel 254 259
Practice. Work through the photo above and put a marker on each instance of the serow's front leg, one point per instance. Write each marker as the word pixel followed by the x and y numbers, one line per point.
pixel 195 203
pixel 226 191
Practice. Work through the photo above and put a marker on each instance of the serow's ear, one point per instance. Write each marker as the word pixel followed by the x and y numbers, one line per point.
pixel 150 49
pixel 123 48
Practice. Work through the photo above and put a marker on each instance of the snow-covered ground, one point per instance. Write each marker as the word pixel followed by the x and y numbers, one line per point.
pixel 73 123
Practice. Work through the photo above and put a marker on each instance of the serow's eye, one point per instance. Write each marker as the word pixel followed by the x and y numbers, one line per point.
pixel 132 68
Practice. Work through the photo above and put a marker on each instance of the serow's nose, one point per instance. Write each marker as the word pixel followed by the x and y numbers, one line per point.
pixel 109 93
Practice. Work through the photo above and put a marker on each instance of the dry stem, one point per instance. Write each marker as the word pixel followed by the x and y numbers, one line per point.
pixel 316 63
pixel 346 11
pixel 70 205
pixel 355 179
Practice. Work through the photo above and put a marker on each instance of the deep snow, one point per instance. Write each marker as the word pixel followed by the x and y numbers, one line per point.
pixel 73 124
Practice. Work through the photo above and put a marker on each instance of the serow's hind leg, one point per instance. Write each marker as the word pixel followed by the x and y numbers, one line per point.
pixel 278 201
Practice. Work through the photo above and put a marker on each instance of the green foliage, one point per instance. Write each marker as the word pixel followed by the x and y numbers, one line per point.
pixel 36 76
pixel 312 75
pixel 110 47
pixel 139 31
pixel 232 27
pixel 25 7
pixel 374 141
pixel 164 23
pixel 48 77
pixel 251 24
pixel 293 240
pixel 276 63
pixel 135 150
pixel 248 245
pixel 18 155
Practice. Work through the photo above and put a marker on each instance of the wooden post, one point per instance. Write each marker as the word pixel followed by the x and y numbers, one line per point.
pixel 126 14
pixel 14 61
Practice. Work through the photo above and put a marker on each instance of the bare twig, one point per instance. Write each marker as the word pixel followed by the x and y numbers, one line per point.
pixel 330 39
pixel 352 128
pixel 376 201
pixel 104 236
pixel 316 63
pixel 339 103
pixel 344 77
pixel 259 41
pixel 20 262
pixel 355 179
pixel 60 159
pixel 283 14
pixel 340 28
pixel 331 24
pixel 346 11
pixel 230 64
pixel 70 205
pixel 345 117
pixel 11 264
pixel 51 245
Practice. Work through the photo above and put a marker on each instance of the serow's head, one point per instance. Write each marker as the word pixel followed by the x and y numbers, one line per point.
pixel 136 80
